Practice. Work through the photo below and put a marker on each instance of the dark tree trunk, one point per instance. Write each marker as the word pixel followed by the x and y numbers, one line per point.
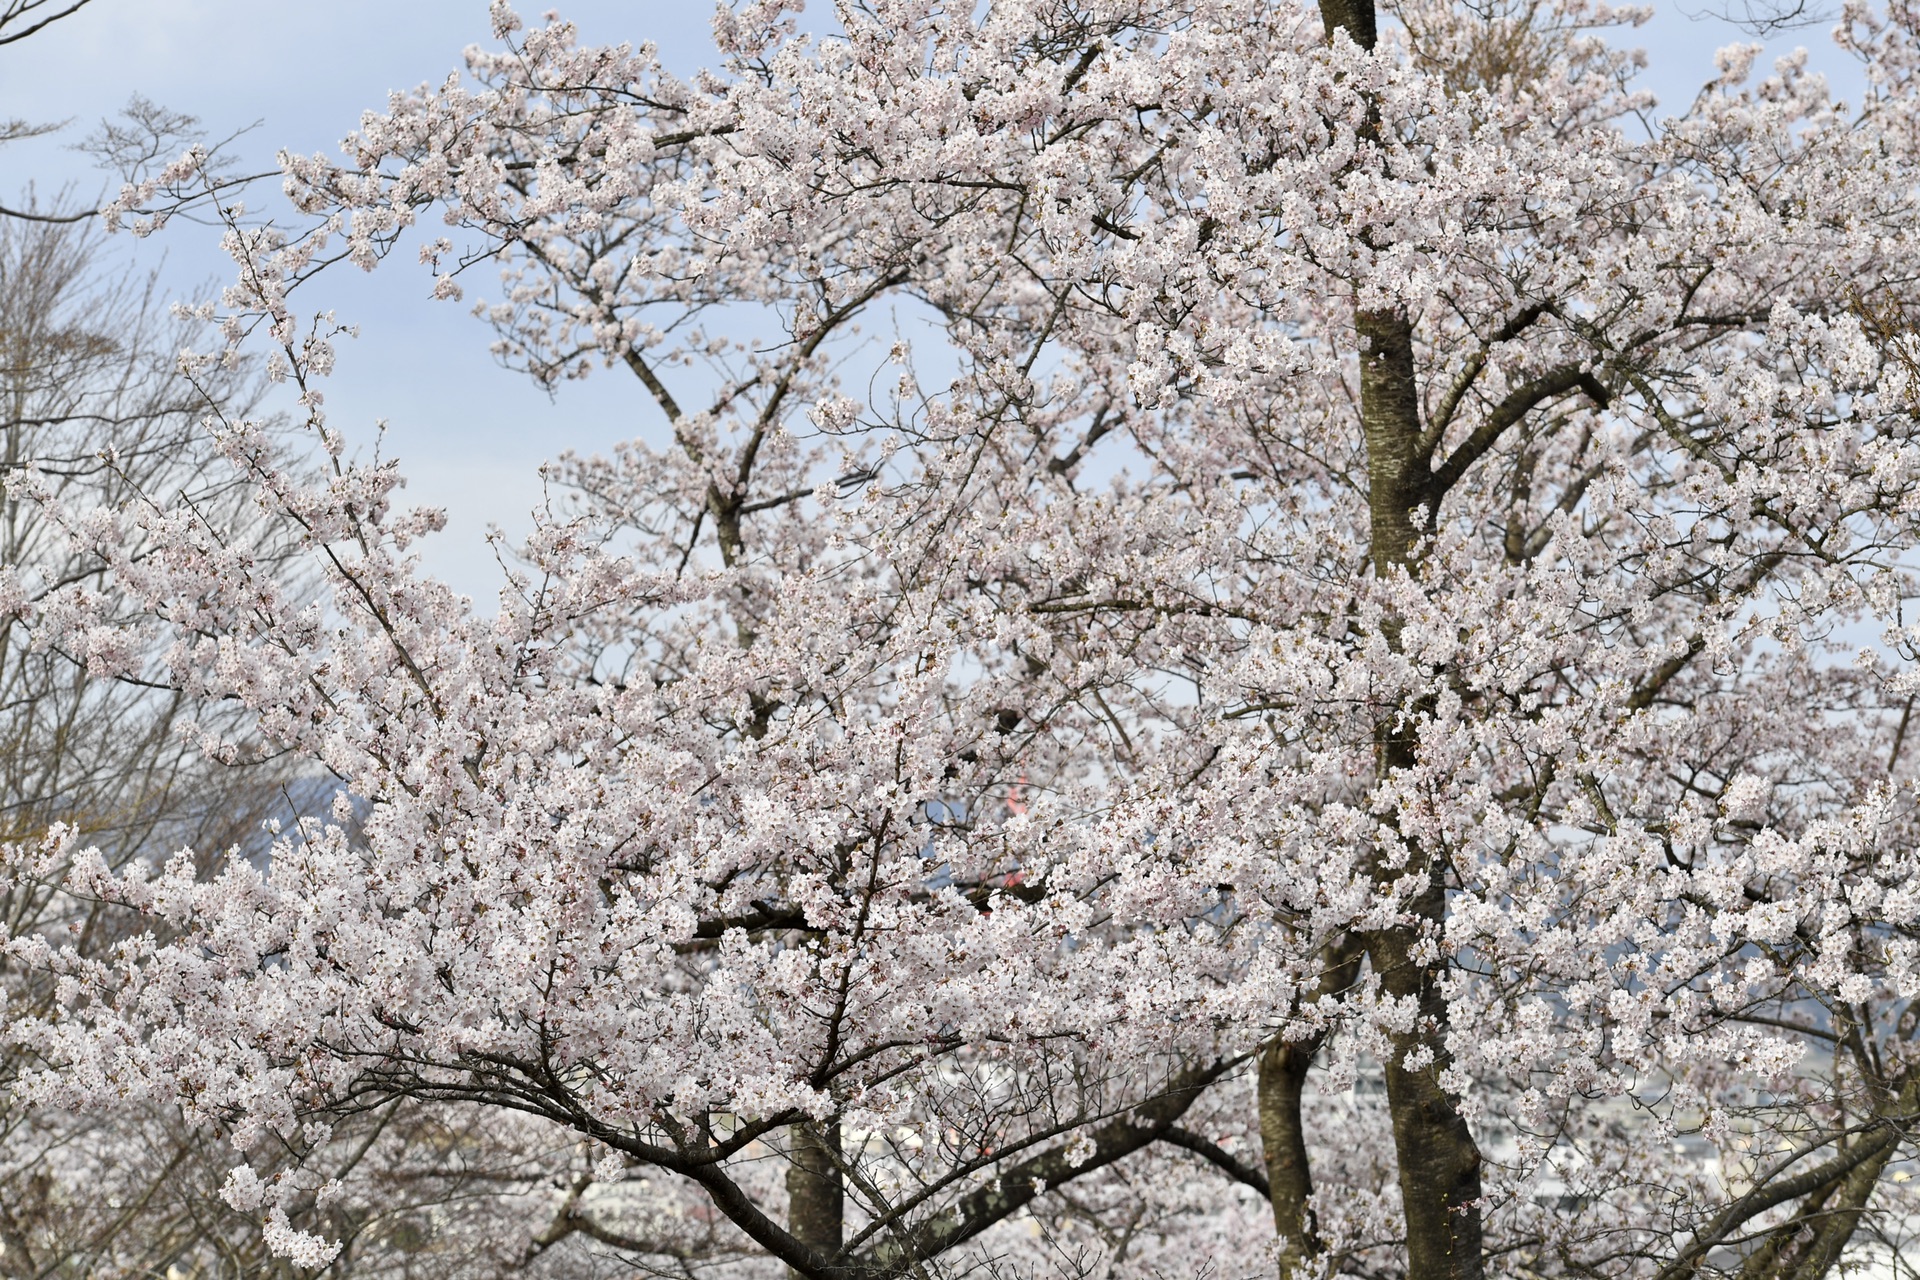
pixel 816 1197
pixel 1439 1162
pixel 1283 1131
pixel 1283 1074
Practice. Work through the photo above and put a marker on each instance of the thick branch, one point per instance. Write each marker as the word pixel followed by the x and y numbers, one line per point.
pixel 1771 1191
pixel 1225 1161
pixel 1521 401
pixel 1476 363
pixel 1020 1183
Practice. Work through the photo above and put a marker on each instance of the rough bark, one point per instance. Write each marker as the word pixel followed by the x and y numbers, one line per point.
pixel 1438 1159
pixel 816 1196
pixel 1397 474
pixel 1283 1134
pixel 1283 1074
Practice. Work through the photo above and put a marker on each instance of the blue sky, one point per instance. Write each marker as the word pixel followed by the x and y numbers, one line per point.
pixel 470 436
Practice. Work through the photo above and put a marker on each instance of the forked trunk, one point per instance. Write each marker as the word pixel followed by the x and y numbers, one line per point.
pixel 1809 1245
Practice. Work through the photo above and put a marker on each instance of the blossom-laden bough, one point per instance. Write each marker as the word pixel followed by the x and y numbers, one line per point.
pixel 1353 648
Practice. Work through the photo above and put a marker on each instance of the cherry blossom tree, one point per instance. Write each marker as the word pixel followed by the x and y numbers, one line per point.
pixel 88 393
pixel 1225 596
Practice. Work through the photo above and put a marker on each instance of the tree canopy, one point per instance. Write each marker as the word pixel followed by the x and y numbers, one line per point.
pixel 1252 636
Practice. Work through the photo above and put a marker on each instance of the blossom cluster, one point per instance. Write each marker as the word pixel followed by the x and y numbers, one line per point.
pixel 1360 557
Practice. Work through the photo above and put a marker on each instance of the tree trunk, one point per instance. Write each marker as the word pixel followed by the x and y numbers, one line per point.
pixel 1283 1073
pixel 816 1198
pixel 1356 17
pixel 1283 1134
pixel 1439 1162
pixel 1397 475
